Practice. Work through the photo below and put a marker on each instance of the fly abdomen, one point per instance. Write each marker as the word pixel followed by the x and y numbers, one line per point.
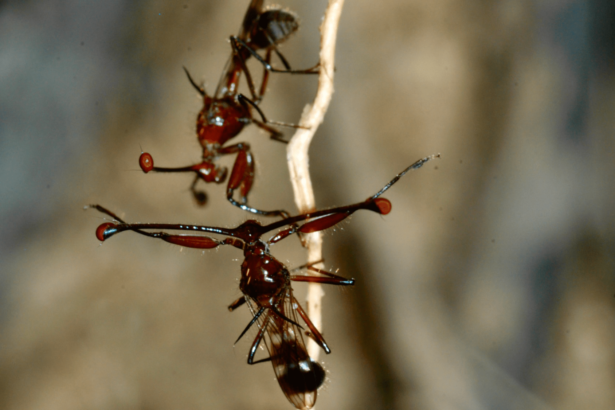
pixel 304 376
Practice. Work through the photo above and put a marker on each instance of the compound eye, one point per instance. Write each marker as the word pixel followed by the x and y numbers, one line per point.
pixel 146 162
pixel 384 205
pixel 102 231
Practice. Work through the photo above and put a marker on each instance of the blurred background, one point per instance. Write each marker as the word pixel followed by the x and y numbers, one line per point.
pixel 491 285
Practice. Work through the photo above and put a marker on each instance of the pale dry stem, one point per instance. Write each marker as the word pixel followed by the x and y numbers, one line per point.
pixel 297 154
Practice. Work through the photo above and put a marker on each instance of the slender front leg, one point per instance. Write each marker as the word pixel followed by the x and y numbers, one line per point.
pixel 257 341
pixel 197 87
pixel 238 43
pixel 331 279
pixel 316 335
pixel 306 265
pixel 254 319
pixel 265 79
pixel 265 123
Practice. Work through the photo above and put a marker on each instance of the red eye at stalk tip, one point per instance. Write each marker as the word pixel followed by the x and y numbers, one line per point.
pixel 146 162
pixel 100 231
pixel 384 205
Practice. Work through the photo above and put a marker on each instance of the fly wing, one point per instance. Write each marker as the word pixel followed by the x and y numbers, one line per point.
pixel 249 20
pixel 299 375
pixel 254 10
pixel 222 88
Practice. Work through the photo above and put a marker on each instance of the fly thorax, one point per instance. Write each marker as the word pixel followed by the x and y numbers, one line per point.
pixel 263 278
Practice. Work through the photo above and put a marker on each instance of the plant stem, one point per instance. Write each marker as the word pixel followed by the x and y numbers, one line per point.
pixel 297 154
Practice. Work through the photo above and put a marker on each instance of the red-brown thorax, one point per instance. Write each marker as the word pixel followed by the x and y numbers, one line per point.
pixel 263 277
pixel 220 120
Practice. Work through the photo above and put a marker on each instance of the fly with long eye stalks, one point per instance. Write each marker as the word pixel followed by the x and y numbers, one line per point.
pixel 266 283
pixel 227 112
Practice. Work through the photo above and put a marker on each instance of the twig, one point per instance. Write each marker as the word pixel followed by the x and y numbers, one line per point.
pixel 297 154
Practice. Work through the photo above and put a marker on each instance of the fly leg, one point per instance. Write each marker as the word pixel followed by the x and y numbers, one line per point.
pixel 329 278
pixel 242 178
pixel 265 123
pixel 238 43
pixel 257 341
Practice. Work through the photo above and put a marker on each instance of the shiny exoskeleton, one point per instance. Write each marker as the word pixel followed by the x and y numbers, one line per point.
pixel 266 283
pixel 227 112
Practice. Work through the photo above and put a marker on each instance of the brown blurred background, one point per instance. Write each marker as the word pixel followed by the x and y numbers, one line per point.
pixel 491 285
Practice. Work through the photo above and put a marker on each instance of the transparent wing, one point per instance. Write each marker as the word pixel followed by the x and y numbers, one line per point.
pixel 225 78
pixel 298 375
pixel 251 17
pixel 254 10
